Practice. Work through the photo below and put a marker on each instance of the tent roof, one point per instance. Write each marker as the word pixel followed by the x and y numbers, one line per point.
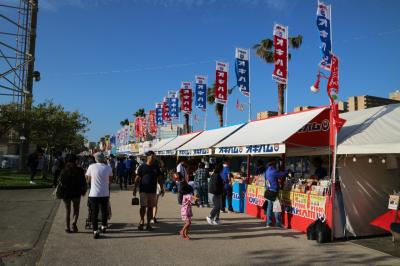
pixel 161 143
pixel 274 130
pixel 371 131
pixel 209 138
pixel 178 141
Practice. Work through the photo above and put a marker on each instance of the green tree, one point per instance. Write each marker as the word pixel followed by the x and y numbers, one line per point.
pixel 124 122
pixel 140 113
pixel 265 50
pixel 11 117
pixel 219 108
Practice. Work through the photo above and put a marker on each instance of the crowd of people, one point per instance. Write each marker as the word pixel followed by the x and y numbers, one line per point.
pixel 192 181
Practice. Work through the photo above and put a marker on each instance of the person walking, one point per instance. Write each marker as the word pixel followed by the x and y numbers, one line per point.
pixel 182 175
pixel 186 209
pixel 148 176
pixel 159 192
pixel 272 176
pixel 216 187
pixel 120 171
pixel 112 164
pixel 227 193
pixel 56 168
pixel 100 175
pixel 32 163
pixel 73 182
pixel 201 179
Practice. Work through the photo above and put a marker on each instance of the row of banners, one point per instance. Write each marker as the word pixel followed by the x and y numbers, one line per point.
pixel 181 101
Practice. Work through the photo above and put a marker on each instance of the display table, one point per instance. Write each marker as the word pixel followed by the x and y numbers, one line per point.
pixel 255 200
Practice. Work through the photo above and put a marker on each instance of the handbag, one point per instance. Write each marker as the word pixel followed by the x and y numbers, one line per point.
pixel 270 195
pixel 276 207
pixel 135 201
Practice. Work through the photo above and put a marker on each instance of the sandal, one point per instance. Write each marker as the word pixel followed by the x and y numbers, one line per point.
pixel 186 237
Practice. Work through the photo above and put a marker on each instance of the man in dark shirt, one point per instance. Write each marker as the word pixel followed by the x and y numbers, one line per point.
pixel 148 176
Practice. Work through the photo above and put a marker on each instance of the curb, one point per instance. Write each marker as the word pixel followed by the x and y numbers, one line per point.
pixel 25 187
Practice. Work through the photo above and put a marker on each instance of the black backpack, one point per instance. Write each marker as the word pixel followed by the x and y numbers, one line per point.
pixel 212 185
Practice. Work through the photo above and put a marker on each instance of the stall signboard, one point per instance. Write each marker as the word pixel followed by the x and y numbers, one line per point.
pixel 238 196
pixel 394 202
pixel 169 152
pixel 134 148
pixel 195 152
pixel 304 205
pixel 254 201
pixel 252 149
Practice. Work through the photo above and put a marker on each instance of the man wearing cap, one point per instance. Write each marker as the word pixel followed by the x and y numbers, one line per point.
pixel 148 175
pixel 100 175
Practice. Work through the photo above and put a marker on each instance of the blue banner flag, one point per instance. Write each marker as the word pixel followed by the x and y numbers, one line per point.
pixel 201 92
pixel 242 70
pixel 173 103
pixel 324 28
pixel 159 114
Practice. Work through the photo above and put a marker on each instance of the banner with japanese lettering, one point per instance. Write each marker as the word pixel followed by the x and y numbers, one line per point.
pixel 159 114
pixel 152 126
pixel 324 28
pixel 242 70
pixel 132 130
pixel 333 82
pixel 280 53
pixel 165 114
pixel 173 103
pixel 221 83
pixel 139 127
pixel 201 92
pixel 186 97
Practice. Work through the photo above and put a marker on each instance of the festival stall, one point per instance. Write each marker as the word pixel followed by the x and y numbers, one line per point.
pixel 171 147
pixel 161 143
pixel 202 146
pixel 368 167
pixel 303 199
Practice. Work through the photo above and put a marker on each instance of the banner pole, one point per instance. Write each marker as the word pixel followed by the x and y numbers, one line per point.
pixel 287 70
pixel 226 114
pixel 249 89
pixel 205 119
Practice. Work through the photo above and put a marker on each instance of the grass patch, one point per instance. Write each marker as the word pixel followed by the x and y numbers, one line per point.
pixel 12 178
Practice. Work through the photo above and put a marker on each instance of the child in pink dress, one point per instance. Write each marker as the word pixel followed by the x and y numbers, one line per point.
pixel 186 209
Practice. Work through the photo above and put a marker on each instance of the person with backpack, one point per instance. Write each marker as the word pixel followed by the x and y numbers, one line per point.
pixel 216 187
pixel 73 183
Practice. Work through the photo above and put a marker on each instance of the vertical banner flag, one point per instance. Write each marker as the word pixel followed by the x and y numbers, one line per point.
pixel 173 103
pixel 201 92
pixel 159 114
pixel 221 83
pixel 152 123
pixel 139 127
pixel 242 70
pixel 333 81
pixel 132 130
pixel 165 114
pixel 324 28
pixel 186 97
pixel 280 53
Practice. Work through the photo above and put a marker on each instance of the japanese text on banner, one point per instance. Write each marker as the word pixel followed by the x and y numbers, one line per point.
pixel 324 29
pixel 242 70
pixel 152 122
pixel 173 103
pixel 159 114
pixel 201 92
pixel 166 117
pixel 186 97
pixel 221 83
pixel 280 53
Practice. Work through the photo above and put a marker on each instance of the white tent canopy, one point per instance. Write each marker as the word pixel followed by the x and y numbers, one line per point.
pixel 266 136
pixel 202 144
pixel 159 144
pixel 171 147
pixel 371 131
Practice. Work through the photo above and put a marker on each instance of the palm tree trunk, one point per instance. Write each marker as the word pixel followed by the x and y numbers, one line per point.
pixel 281 98
pixel 220 111
pixel 187 126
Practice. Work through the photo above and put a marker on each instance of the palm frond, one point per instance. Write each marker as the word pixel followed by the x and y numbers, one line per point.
pixel 295 42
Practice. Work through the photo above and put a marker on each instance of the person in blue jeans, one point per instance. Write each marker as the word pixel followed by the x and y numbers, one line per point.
pixel 201 177
pixel 227 193
pixel 272 176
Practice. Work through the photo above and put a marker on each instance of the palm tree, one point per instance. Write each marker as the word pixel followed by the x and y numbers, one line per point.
pixel 265 50
pixel 219 108
pixel 124 122
pixel 140 113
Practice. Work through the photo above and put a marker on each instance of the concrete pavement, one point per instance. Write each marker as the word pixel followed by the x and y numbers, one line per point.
pixel 240 240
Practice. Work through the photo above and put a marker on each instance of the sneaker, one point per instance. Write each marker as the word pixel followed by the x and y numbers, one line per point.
pixel 103 229
pixel 96 234
pixel 209 221
pixel 201 206
pixel 149 228
pixel 267 226
pixel 155 220
pixel 216 222
pixel 32 182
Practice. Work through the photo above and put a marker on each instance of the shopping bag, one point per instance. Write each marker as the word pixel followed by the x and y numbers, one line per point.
pixel 277 206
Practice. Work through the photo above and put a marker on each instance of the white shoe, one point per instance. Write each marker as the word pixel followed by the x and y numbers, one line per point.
pixel 32 183
pixel 217 222
pixel 209 221
pixel 267 226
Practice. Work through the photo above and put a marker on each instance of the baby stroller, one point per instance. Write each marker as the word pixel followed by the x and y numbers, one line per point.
pixel 88 223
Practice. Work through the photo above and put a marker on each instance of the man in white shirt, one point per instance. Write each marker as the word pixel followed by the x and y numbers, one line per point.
pixel 100 175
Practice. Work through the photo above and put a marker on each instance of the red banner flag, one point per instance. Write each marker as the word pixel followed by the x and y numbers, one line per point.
pixel 186 97
pixel 152 123
pixel 139 127
pixel 165 115
pixel 280 53
pixel 221 83
pixel 333 82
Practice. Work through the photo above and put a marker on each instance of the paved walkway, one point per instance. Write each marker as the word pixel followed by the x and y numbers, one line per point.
pixel 240 240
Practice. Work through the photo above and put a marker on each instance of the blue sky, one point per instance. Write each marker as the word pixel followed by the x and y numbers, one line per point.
pixel 107 58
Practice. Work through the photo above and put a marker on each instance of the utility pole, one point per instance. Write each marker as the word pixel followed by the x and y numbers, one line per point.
pixel 25 132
